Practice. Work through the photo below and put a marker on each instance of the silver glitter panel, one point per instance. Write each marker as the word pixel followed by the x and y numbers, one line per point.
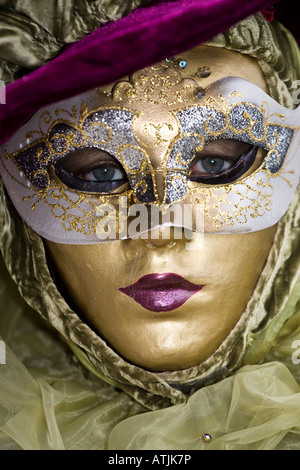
pixel 280 138
pixel 31 167
pixel 176 188
pixel 108 129
pixel 196 118
pixel 143 188
pixel 184 151
pixel 249 119
pixel 245 123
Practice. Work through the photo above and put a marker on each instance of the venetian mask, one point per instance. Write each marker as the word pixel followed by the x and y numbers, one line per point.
pixel 183 170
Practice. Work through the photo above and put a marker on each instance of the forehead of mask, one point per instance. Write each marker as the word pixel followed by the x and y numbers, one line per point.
pixel 147 131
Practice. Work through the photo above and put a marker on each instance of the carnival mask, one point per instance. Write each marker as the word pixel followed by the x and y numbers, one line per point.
pixel 159 139
pixel 215 148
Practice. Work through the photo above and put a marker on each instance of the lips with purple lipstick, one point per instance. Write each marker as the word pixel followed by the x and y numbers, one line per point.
pixel 161 292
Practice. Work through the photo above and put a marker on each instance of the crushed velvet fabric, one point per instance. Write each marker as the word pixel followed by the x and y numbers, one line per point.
pixel 47 400
pixel 34 31
pixel 273 47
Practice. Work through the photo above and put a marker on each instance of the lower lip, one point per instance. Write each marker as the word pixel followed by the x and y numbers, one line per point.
pixel 161 292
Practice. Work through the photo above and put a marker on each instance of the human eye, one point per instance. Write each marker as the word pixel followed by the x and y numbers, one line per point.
pixel 222 161
pixel 101 173
pixel 91 170
pixel 210 165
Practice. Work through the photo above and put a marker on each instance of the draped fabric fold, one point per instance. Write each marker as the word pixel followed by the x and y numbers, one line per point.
pixel 33 32
pixel 256 409
pixel 44 390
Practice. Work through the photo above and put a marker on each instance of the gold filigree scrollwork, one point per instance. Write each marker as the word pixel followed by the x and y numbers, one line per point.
pixel 220 206
pixel 76 211
pixel 156 85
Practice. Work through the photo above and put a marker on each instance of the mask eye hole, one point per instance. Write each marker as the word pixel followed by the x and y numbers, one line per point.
pixel 222 161
pixel 91 170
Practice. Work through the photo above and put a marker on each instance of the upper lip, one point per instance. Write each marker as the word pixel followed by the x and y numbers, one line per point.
pixel 161 292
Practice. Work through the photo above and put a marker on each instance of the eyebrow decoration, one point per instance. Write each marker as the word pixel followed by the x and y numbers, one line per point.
pixel 106 129
pixel 181 126
pixel 202 72
pixel 110 128
pixel 241 121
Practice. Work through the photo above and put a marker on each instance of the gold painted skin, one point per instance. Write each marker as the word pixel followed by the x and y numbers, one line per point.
pixel 228 265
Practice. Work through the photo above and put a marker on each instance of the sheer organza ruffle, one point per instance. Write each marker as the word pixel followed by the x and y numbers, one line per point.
pixel 256 409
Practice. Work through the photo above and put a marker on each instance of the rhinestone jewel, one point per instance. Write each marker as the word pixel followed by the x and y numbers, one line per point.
pixel 169 62
pixel 182 64
pixel 173 62
pixel 203 72
pixel 206 438
pixel 199 92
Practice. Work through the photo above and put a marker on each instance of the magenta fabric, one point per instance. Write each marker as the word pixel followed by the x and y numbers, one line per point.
pixel 147 35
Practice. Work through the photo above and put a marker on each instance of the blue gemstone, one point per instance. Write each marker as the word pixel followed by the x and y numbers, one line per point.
pixel 182 64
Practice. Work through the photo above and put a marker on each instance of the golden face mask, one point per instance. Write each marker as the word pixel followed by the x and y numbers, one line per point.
pixel 76 169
